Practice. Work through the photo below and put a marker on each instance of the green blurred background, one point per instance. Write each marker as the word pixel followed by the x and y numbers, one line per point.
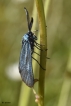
pixel 13 26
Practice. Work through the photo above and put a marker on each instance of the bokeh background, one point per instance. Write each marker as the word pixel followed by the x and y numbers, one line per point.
pixel 13 26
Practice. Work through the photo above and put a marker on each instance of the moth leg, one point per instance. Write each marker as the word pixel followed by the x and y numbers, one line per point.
pixel 39 54
pixel 35 80
pixel 38 63
pixel 36 53
pixel 39 44
pixel 38 48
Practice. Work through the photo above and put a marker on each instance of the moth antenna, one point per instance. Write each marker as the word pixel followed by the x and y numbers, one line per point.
pixel 31 23
pixel 28 19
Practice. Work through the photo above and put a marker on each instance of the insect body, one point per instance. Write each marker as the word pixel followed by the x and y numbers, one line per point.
pixel 25 62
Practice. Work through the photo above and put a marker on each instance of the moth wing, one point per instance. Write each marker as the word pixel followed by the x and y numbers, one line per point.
pixel 25 64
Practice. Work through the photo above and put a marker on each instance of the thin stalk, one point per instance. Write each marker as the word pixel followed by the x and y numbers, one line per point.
pixel 43 41
pixel 65 91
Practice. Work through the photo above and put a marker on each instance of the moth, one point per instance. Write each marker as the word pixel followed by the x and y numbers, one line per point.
pixel 27 49
pixel 25 61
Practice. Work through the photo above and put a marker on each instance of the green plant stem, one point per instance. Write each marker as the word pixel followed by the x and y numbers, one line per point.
pixel 43 41
pixel 65 91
